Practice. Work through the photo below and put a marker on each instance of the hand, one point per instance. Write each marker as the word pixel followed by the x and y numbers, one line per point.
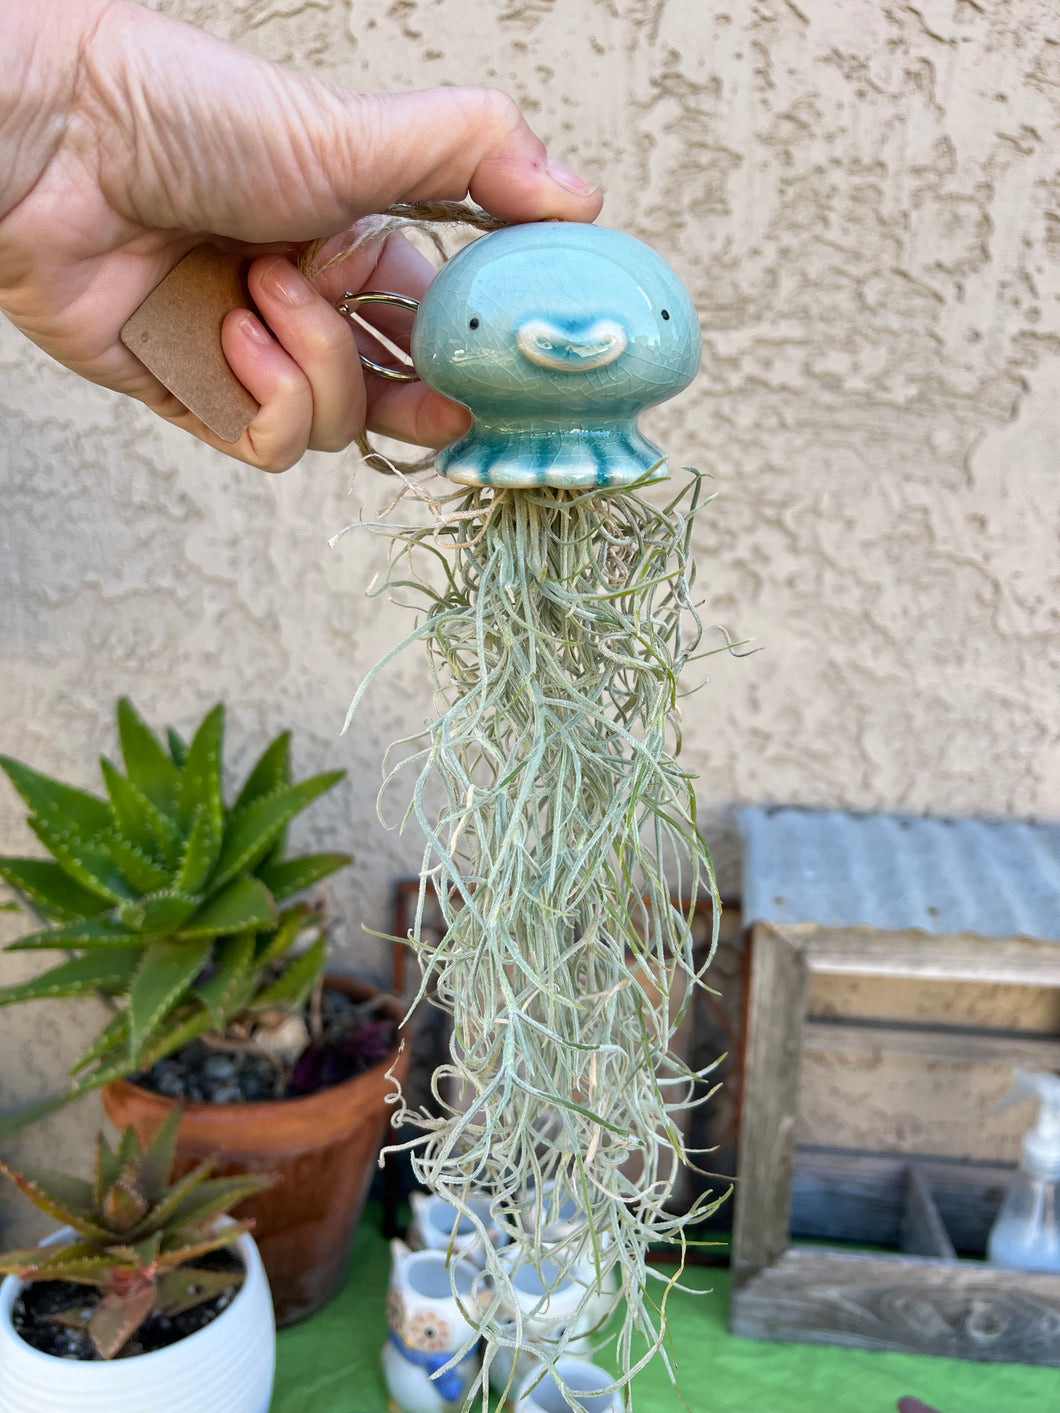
pixel 126 139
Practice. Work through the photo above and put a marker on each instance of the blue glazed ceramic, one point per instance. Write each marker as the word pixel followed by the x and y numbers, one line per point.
pixel 555 336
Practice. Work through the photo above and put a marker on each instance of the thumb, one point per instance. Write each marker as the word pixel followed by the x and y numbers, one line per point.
pixel 213 139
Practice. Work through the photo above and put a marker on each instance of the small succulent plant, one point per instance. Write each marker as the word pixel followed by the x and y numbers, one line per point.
pixel 136 1235
pixel 166 897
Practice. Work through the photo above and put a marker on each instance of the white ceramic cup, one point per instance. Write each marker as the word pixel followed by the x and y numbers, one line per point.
pixel 584 1381
pixel 439 1226
pixel 548 1303
pixel 559 1219
pixel 564 1225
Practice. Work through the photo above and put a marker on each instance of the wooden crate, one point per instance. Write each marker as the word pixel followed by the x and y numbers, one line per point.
pixel 921 1298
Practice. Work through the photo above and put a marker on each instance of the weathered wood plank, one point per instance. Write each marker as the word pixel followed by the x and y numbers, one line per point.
pixel 845 1196
pixel 777 1002
pixel 863 952
pixel 933 1043
pixel 962 1310
pixel 922 1232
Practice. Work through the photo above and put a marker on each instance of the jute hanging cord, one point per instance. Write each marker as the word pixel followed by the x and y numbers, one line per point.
pixel 561 843
pixel 426 217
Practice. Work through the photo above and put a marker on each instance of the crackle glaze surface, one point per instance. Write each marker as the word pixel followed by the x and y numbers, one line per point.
pixel 555 336
pixel 863 200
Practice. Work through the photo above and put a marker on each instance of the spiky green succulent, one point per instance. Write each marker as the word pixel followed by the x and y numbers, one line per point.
pixel 136 1234
pixel 166 897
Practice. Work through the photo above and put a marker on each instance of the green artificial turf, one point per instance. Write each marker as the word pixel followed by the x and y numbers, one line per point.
pixel 330 1363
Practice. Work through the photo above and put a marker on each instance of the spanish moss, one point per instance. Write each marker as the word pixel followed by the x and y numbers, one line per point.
pixel 557 625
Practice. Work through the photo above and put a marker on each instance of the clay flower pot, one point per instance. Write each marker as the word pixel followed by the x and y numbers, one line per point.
pixel 322 1145
pixel 226 1367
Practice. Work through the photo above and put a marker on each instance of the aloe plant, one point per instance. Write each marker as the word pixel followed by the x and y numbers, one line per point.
pixel 167 899
pixel 136 1234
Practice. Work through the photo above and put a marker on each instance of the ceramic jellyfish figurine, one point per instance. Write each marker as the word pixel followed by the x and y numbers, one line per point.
pixel 555 336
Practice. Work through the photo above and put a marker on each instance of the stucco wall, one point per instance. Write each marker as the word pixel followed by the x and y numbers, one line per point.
pixel 864 199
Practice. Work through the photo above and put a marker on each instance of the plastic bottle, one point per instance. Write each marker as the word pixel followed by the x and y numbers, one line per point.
pixel 1026 1232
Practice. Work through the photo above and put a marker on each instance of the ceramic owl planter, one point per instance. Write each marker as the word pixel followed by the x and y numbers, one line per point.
pixel 555 336
pixel 427 1328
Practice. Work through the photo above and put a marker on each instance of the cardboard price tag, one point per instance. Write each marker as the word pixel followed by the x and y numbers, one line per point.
pixel 176 333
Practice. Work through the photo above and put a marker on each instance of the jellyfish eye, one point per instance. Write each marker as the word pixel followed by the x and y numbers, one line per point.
pixel 666 313
pixel 474 323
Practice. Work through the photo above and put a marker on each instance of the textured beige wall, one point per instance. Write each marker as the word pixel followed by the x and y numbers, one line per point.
pixel 864 199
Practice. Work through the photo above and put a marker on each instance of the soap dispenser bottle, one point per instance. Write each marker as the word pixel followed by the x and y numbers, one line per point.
pixel 1026 1233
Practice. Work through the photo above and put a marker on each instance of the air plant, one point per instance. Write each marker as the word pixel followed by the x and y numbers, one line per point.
pixel 557 624
pixel 136 1236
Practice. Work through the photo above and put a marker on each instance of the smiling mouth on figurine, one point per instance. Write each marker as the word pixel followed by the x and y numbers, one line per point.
pixel 571 350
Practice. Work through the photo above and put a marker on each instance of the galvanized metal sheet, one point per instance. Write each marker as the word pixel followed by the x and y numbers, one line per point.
pixel 896 873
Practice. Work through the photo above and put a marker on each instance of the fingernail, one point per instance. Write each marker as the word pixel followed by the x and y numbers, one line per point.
pixel 568 180
pixel 284 281
pixel 254 329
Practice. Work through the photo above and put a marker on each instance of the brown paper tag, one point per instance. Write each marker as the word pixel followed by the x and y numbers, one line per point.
pixel 176 333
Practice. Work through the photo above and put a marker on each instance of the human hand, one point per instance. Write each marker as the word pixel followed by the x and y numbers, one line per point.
pixel 126 139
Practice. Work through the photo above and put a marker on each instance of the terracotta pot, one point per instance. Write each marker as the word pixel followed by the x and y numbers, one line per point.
pixel 323 1146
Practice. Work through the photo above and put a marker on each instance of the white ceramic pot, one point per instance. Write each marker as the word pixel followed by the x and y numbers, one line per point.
pixel 226 1367
pixel 584 1381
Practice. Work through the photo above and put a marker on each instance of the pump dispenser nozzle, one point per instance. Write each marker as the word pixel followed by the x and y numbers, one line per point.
pixel 1041 1146
pixel 1027 1230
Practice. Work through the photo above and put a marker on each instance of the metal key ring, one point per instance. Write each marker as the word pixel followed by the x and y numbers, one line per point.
pixel 349 302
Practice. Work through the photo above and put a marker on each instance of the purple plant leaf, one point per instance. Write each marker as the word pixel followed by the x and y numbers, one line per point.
pixel 322 1066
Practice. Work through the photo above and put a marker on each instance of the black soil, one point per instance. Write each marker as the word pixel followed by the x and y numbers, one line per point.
pixel 31 1313
pixel 354 1037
